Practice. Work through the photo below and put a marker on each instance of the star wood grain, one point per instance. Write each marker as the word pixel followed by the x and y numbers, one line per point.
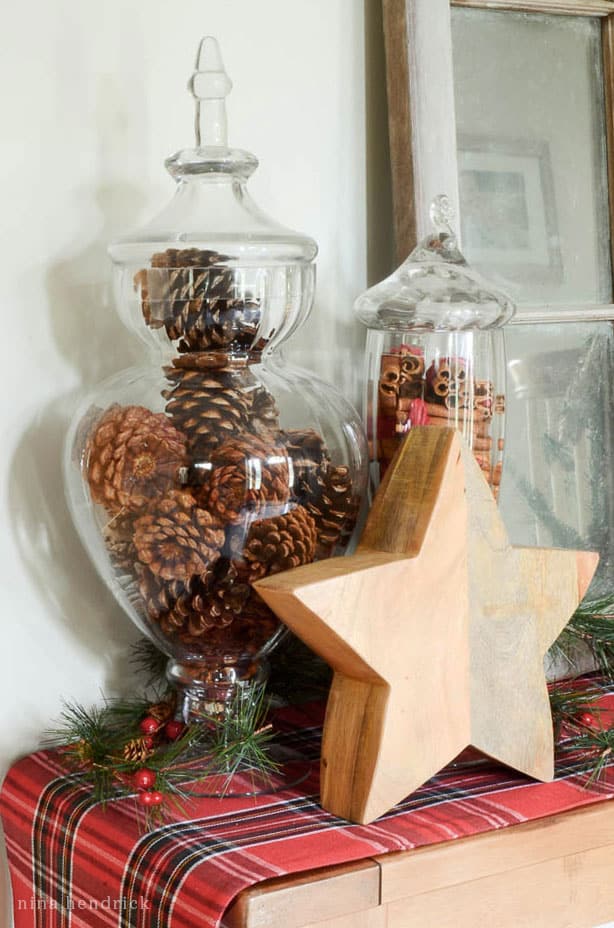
pixel 436 629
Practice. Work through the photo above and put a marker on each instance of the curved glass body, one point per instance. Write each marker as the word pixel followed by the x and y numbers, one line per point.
pixel 443 379
pixel 435 353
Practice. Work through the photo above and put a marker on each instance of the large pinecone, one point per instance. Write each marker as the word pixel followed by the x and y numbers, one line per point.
pixel 180 605
pixel 208 406
pixel 280 543
pixel 133 455
pixel 195 298
pixel 328 496
pixel 247 474
pixel 194 608
pixel 176 539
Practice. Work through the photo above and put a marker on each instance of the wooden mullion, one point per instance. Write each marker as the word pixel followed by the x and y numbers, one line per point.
pixel 563 7
pixel 400 126
pixel 607 32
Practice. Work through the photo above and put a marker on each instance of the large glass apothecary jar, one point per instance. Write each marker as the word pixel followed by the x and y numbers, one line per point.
pixel 216 463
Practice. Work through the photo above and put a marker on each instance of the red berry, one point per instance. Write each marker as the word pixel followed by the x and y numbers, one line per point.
pixel 148 741
pixel 149 725
pixel 151 797
pixel 173 729
pixel 588 720
pixel 144 778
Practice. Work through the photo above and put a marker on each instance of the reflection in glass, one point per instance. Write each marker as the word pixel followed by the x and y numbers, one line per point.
pixel 532 154
pixel 558 480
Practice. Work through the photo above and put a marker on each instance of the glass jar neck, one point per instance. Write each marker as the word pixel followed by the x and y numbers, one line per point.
pixel 217 359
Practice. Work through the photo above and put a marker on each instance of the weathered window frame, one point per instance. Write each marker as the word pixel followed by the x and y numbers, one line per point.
pixel 422 124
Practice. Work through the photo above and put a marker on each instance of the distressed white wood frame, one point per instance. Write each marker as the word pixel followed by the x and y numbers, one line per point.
pixel 419 37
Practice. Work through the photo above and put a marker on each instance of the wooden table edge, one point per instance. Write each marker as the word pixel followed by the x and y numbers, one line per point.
pixel 327 893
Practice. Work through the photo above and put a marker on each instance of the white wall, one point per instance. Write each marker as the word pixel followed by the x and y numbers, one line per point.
pixel 94 99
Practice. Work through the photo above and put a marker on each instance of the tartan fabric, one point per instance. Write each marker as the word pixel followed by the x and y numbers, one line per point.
pixel 76 865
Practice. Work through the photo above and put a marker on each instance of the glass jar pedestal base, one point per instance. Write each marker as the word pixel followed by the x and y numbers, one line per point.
pixel 209 690
pixel 227 695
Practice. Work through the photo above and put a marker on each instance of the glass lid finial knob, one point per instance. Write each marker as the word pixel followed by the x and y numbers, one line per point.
pixel 210 85
pixel 441 213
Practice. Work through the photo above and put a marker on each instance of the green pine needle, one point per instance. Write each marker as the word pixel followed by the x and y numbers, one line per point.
pixel 149 661
pixel 593 624
pixel 214 746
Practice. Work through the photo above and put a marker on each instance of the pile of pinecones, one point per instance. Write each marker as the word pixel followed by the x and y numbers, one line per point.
pixel 210 495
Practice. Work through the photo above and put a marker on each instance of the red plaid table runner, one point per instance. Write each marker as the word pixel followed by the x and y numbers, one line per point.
pixel 75 865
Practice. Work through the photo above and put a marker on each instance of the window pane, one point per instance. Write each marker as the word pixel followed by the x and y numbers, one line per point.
pixel 532 154
pixel 558 479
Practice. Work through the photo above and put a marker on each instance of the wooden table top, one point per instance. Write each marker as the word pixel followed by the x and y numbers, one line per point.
pixel 556 872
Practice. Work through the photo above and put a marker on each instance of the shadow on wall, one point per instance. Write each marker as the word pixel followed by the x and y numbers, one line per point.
pixel 91 338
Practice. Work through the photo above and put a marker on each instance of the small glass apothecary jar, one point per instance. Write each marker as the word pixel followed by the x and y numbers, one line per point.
pixel 216 463
pixel 435 352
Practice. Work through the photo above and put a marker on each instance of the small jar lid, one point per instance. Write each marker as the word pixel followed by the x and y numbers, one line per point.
pixel 211 208
pixel 434 289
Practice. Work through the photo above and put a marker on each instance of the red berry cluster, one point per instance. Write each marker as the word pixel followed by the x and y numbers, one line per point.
pixel 150 726
pixel 145 778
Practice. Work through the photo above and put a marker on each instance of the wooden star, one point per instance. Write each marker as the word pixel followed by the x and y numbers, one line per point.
pixel 436 629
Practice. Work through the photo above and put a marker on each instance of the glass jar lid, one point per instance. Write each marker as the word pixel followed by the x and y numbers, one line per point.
pixel 211 207
pixel 434 289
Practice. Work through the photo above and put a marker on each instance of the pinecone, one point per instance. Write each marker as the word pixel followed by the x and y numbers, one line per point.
pixel 155 286
pixel 208 406
pixel 263 415
pixel 247 474
pixel 160 597
pixel 247 634
pixel 136 751
pixel 329 498
pixel 176 539
pixel 118 535
pixel 195 298
pixel 280 543
pixel 82 751
pixel 163 711
pixel 132 455
pixel 194 606
pixel 186 257
pixel 308 452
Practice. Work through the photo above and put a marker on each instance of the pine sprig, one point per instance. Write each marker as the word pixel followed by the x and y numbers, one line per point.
pixel 89 738
pixel 149 661
pixel 592 624
pixel 595 748
pixel 93 742
pixel 243 741
pixel 206 755
pixel 569 703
